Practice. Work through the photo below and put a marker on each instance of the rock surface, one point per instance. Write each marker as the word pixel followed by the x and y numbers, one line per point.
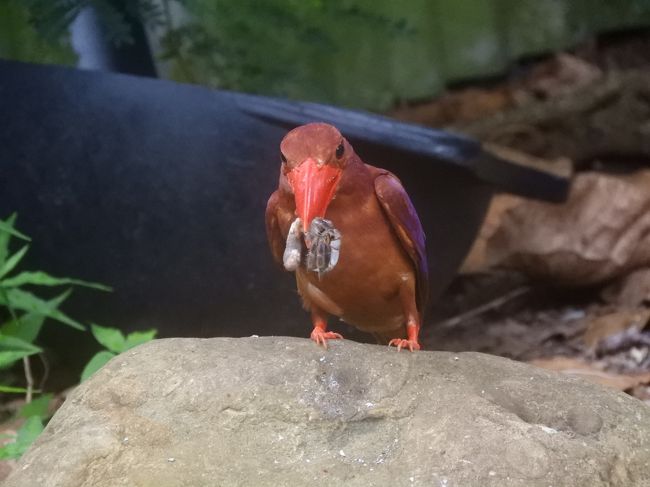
pixel 284 412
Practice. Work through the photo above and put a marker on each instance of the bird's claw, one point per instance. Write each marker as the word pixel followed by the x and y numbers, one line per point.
pixel 321 337
pixel 400 343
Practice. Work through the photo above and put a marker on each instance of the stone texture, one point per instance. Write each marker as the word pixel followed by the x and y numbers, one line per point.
pixel 284 412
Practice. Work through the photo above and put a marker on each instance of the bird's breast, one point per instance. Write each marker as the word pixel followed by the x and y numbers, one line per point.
pixel 363 288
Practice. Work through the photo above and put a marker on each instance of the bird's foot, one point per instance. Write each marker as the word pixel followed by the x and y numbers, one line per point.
pixel 411 341
pixel 400 343
pixel 321 336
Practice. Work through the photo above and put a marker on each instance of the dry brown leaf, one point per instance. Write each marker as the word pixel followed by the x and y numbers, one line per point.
pixel 465 105
pixel 601 232
pixel 579 368
pixel 563 74
pixel 613 323
pixel 477 257
pixel 629 291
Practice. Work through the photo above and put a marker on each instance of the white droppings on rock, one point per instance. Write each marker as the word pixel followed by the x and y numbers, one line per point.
pixel 546 429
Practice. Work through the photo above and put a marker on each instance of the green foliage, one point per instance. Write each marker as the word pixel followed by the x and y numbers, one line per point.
pixel 24 312
pixel 21 41
pixel 115 343
pixel 97 362
pixel 13 349
pixel 52 18
pixel 29 431
pixel 22 315
pixel 38 407
pixel 276 47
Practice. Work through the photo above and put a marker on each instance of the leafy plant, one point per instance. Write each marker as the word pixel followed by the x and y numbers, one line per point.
pixel 28 432
pixel 279 47
pixel 52 18
pixel 115 343
pixel 21 41
pixel 22 316
pixel 35 414
pixel 25 312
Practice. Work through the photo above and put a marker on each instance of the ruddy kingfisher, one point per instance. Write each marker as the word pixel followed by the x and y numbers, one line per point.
pixel 351 235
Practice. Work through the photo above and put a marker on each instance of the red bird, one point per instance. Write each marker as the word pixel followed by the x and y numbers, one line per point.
pixel 352 236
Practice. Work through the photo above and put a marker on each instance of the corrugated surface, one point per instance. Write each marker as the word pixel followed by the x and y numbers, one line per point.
pixel 373 64
pixel 360 53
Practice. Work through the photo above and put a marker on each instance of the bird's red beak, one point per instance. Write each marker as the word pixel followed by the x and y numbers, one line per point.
pixel 314 186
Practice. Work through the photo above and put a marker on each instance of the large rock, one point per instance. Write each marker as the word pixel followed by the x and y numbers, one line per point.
pixel 284 412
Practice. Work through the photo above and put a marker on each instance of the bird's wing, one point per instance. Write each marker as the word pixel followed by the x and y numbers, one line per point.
pixel 273 230
pixel 405 222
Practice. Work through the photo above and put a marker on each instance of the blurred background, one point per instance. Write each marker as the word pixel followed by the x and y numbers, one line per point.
pixel 560 83
pixel 356 53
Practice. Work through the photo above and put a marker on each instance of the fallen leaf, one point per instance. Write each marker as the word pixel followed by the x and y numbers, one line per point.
pixel 613 324
pixel 561 75
pixel 601 232
pixel 476 259
pixel 584 370
pixel 631 290
pixel 464 105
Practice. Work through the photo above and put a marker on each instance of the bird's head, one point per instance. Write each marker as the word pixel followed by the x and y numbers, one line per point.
pixel 314 157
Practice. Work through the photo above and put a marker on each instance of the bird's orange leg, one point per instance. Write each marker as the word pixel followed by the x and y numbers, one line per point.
pixel 411 342
pixel 407 296
pixel 320 334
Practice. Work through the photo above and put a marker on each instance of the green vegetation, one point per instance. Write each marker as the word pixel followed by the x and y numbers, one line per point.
pixel 360 53
pixel 115 343
pixel 20 40
pixel 22 316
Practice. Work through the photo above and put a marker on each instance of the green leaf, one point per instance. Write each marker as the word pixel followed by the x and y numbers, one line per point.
pixel 139 337
pixel 12 261
pixel 28 326
pixel 38 407
pixel 11 390
pixel 42 279
pixel 10 343
pixel 111 338
pixel 13 349
pixel 4 240
pixel 97 362
pixel 7 359
pixel 26 301
pixel 28 432
pixel 7 226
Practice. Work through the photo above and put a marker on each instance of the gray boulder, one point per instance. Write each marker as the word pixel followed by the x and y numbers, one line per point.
pixel 284 412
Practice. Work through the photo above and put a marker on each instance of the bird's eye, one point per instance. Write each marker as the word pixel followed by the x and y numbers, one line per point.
pixel 339 150
pixel 284 159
